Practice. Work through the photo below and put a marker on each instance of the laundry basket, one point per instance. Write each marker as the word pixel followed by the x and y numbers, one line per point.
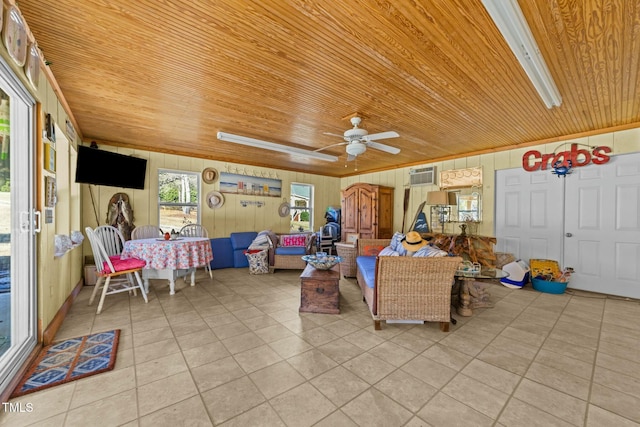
pixel 544 275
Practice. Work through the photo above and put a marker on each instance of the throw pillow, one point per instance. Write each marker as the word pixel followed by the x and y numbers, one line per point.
pixel 293 240
pixel 430 251
pixel 261 241
pixel 396 243
pixel 388 252
pixel 372 250
pixel 258 262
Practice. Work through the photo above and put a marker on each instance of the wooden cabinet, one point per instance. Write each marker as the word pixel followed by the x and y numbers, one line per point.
pixel 367 209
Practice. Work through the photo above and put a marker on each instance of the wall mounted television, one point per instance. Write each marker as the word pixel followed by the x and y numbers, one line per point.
pixel 101 167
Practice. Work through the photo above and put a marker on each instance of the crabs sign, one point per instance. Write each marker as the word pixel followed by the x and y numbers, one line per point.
pixel 533 160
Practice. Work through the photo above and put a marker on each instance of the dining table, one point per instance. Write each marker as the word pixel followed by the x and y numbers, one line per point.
pixel 169 259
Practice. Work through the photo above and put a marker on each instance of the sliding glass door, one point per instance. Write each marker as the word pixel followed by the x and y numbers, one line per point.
pixel 18 219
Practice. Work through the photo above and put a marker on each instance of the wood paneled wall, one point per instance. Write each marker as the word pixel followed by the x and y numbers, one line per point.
pixel 232 217
pixel 229 218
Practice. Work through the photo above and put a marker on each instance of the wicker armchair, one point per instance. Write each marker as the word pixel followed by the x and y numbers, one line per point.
pixel 408 288
pixel 282 257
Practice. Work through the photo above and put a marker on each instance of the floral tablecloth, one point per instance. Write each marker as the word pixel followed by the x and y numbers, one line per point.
pixel 184 253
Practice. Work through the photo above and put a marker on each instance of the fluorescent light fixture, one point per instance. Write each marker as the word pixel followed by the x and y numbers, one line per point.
pixel 238 139
pixel 511 22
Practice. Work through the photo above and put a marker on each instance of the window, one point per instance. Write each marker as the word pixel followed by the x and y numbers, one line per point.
pixel 178 199
pixel 301 207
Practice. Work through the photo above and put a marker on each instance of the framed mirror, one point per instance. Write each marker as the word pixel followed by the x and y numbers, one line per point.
pixel 469 207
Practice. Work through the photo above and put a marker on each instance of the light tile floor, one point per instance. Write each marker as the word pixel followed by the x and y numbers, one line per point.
pixel 234 351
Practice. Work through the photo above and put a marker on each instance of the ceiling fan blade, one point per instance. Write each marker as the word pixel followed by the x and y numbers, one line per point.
pixel 333 134
pixel 383 147
pixel 382 135
pixel 330 146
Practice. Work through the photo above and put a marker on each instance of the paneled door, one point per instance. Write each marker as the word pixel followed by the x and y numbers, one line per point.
pixel 18 327
pixel 589 220
pixel 529 214
pixel 602 227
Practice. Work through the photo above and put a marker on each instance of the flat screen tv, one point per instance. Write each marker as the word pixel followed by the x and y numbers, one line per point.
pixel 101 167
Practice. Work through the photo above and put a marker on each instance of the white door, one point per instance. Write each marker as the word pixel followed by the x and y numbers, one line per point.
pixel 18 325
pixel 602 227
pixel 529 214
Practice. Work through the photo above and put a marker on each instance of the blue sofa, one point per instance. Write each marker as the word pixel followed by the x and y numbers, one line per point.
pixel 228 252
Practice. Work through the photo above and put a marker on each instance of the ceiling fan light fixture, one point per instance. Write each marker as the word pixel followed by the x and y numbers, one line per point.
pixel 356 148
pixel 510 20
pixel 257 143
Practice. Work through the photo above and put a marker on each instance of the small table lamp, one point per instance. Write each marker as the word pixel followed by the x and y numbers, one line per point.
pixel 440 202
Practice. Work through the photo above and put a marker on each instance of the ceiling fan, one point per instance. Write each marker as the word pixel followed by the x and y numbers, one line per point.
pixel 357 140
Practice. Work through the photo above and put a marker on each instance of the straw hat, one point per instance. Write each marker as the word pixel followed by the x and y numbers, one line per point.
pixel 413 241
pixel 209 175
pixel 215 199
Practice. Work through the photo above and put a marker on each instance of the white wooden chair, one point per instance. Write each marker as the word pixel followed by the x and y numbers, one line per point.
pixel 196 230
pixel 115 274
pixel 146 232
pixel 111 238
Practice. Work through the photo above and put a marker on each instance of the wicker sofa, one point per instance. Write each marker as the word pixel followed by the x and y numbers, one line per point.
pixel 405 288
pixel 286 250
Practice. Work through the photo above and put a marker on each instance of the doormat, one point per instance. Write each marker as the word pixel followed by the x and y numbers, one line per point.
pixel 70 360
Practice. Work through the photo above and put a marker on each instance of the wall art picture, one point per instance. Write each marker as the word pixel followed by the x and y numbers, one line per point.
pixel 49 157
pixel 50 192
pixel 250 185
pixel 461 178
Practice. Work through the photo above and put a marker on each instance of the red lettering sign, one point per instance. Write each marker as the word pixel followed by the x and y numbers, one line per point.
pixel 534 160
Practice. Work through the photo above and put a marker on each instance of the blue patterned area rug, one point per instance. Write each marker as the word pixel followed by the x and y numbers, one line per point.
pixel 70 360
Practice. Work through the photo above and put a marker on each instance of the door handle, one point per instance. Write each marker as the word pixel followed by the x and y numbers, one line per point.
pixel 568 234
pixel 30 221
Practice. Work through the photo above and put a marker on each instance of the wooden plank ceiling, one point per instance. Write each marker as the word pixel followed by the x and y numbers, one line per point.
pixel 168 75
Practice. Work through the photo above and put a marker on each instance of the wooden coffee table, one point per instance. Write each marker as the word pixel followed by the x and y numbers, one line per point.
pixel 320 291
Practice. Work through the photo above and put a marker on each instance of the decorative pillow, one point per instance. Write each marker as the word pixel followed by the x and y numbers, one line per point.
pixel 258 262
pixel 261 241
pixel 430 251
pixel 388 252
pixel 293 240
pixel 396 243
pixel 372 250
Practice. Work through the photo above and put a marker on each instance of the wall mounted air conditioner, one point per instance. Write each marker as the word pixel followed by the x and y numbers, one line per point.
pixel 422 176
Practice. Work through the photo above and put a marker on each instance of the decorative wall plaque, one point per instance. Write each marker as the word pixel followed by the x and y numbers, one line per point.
pixel 460 178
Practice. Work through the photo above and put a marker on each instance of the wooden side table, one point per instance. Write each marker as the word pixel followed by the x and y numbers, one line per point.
pixel 320 291
pixel 348 252
pixel 471 296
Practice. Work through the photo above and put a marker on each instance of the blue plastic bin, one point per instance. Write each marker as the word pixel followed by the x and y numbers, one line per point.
pixel 549 287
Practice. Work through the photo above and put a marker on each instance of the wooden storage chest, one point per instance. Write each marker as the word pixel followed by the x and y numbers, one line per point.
pixel 319 290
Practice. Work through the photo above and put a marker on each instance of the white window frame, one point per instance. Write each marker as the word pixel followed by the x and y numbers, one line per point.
pixel 310 208
pixel 25 223
pixel 197 205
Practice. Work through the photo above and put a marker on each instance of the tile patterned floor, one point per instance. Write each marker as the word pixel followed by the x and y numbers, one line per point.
pixel 234 351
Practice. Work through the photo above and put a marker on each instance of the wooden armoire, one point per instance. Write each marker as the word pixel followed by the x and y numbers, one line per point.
pixel 367 209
